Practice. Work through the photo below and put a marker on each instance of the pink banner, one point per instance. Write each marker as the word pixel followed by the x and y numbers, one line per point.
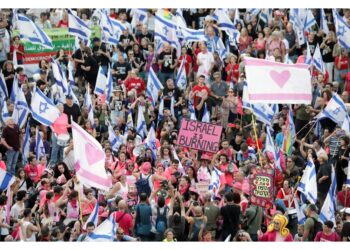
pixel 199 135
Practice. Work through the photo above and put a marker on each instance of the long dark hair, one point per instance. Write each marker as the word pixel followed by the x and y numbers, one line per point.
pixel 66 171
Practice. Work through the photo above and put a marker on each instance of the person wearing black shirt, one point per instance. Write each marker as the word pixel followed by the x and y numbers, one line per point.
pixel 72 110
pixel 324 178
pixel 237 141
pixel 121 69
pixel 168 60
pixel 327 53
pixel 170 91
pixel 101 54
pixel 90 68
pixel 231 214
pixel 126 41
pixel 144 34
pixel 79 60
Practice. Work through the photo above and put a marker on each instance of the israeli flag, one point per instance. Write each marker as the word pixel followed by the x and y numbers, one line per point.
pixel 181 78
pixel 262 112
pixel 318 61
pixel 300 213
pixel 215 181
pixel 88 104
pixel 206 114
pixel 21 110
pixel 309 21
pixel 323 22
pixel 160 110
pixel 109 87
pixel 180 20
pixel 42 108
pixel 343 30
pixel 93 216
pixel 70 68
pixel 166 31
pixel 26 144
pixel 6 179
pixel 59 76
pixel 335 110
pixel 265 14
pixel 308 58
pixel 253 11
pixel 150 142
pixel 114 139
pixel 111 29
pixel 153 86
pixel 30 31
pixel 39 145
pixel 3 88
pixel 225 24
pixel 5 115
pixel 329 208
pixel 77 27
pixel 139 16
pixel 106 231
pixel 192 35
pixel 275 109
pixel 298 25
pixel 221 49
pixel 15 89
pixel 191 110
pixel 101 82
pixel 141 126
pixel 308 182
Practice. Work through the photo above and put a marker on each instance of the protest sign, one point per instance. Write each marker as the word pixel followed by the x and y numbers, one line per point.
pixel 262 188
pixel 199 135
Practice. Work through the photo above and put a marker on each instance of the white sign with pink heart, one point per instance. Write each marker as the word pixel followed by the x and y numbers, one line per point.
pixel 271 82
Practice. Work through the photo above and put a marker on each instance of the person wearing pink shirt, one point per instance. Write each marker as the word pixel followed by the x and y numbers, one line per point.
pixel 31 169
pixel 2 163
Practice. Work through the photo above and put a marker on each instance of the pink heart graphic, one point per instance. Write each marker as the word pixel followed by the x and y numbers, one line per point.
pixel 93 154
pixel 281 78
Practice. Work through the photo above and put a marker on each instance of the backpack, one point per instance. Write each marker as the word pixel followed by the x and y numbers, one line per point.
pixel 317 228
pixel 161 221
pixel 142 186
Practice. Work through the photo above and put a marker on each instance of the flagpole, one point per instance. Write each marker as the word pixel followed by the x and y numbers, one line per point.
pixel 256 137
pixel 304 127
pixel 310 130
pixel 79 200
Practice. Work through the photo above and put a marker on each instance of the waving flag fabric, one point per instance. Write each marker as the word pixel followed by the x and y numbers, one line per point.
pixel 93 216
pixel 342 30
pixel 181 78
pixel 153 86
pixel 6 179
pixel 111 29
pixel 39 145
pixel 26 144
pixel 21 110
pixel 323 22
pixel 101 82
pixel 77 27
pixel 308 182
pixel 329 208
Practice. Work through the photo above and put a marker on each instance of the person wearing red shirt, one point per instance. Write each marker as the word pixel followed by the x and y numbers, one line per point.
pixel 124 219
pixel 135 82
pixel 64 22
pixel 341 66
pixel 232 70
pixel 19 48
pixel 188 61
pixel 345 192
pixel 31 169
pixel 2 163
pixel 285 195
pixel 199 93
pixel 327 234
pixel 321 78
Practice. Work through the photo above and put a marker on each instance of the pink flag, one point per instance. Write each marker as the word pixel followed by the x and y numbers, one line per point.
pixel 89 160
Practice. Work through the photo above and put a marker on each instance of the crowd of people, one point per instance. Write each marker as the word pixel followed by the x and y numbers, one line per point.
pixel 155 198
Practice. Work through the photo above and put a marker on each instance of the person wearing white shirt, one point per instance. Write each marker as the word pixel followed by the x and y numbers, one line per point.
pixel 205 61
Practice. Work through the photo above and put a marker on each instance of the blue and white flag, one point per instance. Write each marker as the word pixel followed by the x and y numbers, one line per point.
pixel 221 49
pixel 309 21
pixel 166 31
pixel 160 110
pixel 21 110
pixel 59 76
pixel 111 29
pixel 215 181
pixel 191 110
pixel 180 20
pixel 265 15
pixel 153 86
pixel 298 25
pixel 308 58
pixel 15 89
pixel 115 140
pixel 192 35
pixel 335 110
pixel 139 16
pixel 129 120
pixel 109 87
pixel 26 144
pixel 77 27
pixel 5 115
pixel 101 82
pixel 225 23
pixel 141 126
pixel 253 11
pixel 300 213
pixel 93 217
pixel 42 108
pixel 323 22
pixel 3 88
pixel 30 31
pixel 6 179
pixel 329 208
pixel 181 78
pixel 308 182
pixel 206 114
pixel 150 142
pixel 343 30
pixel 318 61
pixel 106 231
pixel 88 104
pixel 39 145
pixel 275 109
